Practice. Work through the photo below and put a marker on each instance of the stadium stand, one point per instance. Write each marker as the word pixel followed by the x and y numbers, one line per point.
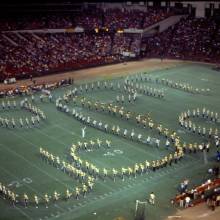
pixel 113 19
pixel 191 39
pixel 102 41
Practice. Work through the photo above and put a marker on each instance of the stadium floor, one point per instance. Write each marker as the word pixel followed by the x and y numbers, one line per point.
pixel 22 169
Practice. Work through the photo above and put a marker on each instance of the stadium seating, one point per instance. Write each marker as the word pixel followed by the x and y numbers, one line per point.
pixel 191 39
pixel 43 53
pixel 26 54
pixel 112 19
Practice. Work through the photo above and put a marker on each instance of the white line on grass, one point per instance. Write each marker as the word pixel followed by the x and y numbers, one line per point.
pixel 51 137
pixel 116 140
pixel 20 210
pixel 16 177
pixel 80 137
pixel 93 159
pixel 33 165
pixel 59 207
pixel 124 190
pixel 37 166
pixel 108 187
pixel 29 185
pixel 68 131
pixel 99 162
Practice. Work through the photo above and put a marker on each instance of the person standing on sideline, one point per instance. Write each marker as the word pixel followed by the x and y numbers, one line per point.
pixel 157 142
pixel 83 132
pixel 167 144
pixel 187 202
pixel 152 198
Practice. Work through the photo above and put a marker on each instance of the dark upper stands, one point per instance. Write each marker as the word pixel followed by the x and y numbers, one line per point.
pixel 27 54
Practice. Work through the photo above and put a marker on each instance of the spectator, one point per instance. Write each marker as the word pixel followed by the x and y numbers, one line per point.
pixel 218 156
pixel 152 198
pixel 187 201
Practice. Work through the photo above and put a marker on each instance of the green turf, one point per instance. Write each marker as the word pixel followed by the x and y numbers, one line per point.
pixel 22 167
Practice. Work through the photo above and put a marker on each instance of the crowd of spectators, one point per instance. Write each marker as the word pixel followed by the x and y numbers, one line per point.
pixel 34 87
pixel 113 19
pixel 216 42
pixel 153 16
pixel 35 54
pixel 122 19
pixel 208 191
pixel 39 22
pixel 121 44
pixel 89 19
pixel 25 54
pixel 136 44
pixel 191 38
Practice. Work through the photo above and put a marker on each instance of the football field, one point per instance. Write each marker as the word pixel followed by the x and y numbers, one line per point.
pixel 23 170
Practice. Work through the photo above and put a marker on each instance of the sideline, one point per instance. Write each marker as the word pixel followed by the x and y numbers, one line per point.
pixel 101 71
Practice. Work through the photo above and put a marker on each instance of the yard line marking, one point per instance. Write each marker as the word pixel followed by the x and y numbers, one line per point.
pixel 33 165
pixel 28 186
pixel 106 186
pixel 21 211
pixel 119 139
pixel 116 140
pixel 56 139
pixel 154 176
pixel 138 183
pixel 59 207
pixel 14 176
